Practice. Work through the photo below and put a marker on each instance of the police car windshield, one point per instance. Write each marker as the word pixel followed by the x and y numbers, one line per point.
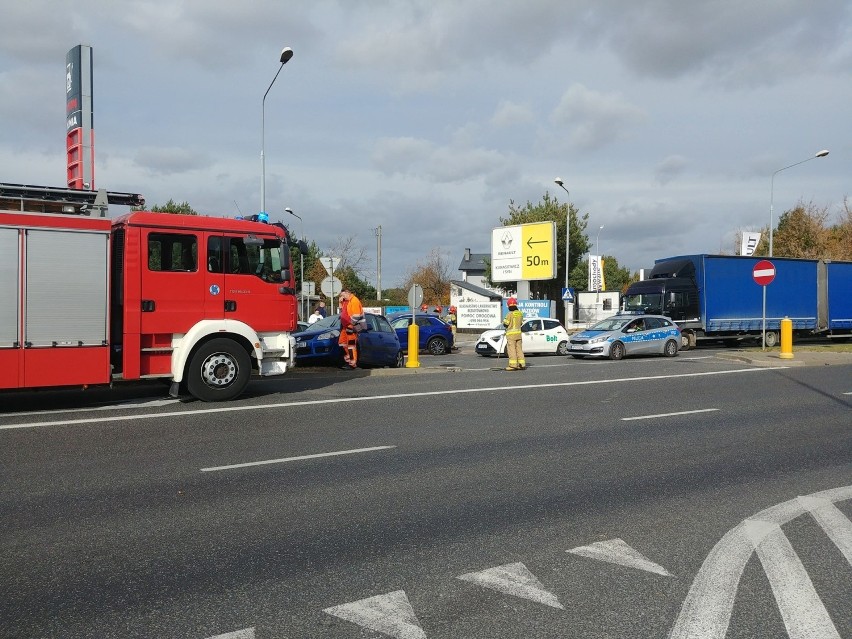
pixel 611 324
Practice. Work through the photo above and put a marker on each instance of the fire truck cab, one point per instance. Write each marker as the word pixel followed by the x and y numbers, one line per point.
pixel 85 300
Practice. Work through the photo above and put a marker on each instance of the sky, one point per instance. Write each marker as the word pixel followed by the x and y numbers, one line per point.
pixel 666 119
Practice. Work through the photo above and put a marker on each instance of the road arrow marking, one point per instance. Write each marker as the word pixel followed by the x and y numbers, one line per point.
pixel 245 633
pixel 516 580
pixel 835 524
pixel 616 551
pixel 390 614
pixel 801 608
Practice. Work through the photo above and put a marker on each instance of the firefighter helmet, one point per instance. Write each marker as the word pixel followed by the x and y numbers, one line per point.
pixel 512 301
pixel 452 309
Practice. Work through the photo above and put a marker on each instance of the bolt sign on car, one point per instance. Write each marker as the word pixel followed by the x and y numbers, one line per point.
pixel 622 335
pixel 538 335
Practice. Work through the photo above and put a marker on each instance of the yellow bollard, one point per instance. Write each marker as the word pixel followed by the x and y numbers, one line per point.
pixel 413 343
pixel 786 338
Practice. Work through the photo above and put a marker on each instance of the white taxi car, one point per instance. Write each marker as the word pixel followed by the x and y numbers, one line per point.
pixel 538 335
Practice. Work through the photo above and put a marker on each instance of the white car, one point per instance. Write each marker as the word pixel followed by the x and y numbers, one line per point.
pixel 538 334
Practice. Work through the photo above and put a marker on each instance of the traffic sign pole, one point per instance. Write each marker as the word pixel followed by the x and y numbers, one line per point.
pixel 763 274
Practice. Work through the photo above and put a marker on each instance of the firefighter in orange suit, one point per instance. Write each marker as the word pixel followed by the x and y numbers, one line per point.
pixel 514 347
pixel 351 315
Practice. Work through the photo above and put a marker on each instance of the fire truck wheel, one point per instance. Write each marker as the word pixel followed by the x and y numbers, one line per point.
pixel 218 371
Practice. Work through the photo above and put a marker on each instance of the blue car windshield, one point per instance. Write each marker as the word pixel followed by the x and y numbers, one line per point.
pixel 332 321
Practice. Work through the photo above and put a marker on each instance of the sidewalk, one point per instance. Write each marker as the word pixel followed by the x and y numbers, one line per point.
pixel 800 358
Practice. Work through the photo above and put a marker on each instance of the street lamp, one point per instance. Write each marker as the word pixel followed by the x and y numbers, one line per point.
pixel 821 154
pixel 286 54
pixel 301 262
pixel 568 305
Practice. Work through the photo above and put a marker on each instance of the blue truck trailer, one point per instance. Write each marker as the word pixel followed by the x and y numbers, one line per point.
pixel 716 297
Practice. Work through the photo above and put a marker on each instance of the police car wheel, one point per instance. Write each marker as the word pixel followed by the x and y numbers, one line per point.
pixel 616 351
pixel 670 349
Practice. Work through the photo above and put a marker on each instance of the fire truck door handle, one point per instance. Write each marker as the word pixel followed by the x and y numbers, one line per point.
pixel 230 306
pixel 148 306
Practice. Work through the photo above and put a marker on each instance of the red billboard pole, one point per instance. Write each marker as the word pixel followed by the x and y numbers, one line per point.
pixel 80 132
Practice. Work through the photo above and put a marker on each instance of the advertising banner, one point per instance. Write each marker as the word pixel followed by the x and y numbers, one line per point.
pixel 596 276
pixel 482 315
pixel 749 242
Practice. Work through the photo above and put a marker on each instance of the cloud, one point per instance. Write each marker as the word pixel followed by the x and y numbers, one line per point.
pixel 168 161
pixel 594 119
pixel 423 159
pixel 670 168
pixel 510 114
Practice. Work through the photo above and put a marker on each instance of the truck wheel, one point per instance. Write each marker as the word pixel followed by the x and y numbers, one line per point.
pixel 684 341
pixel 562 349
pixel 771 339
pixel 616 351
pixel 218 371
pixel 671 348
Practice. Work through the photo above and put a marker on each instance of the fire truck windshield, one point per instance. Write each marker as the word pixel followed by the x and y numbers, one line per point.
pixel 267 260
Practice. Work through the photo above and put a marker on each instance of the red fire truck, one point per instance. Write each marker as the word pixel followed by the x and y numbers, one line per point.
pixel 86 300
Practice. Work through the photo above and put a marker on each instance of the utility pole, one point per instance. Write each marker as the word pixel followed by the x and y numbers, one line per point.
pixel 378 232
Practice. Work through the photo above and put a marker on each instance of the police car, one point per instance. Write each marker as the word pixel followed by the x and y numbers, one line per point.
pixel 622 335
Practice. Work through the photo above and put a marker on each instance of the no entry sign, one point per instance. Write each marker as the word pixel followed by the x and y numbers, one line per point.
pixel 764 272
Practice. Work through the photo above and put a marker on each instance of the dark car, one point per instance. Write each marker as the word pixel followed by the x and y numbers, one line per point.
pixel 377 346
pixel 435 336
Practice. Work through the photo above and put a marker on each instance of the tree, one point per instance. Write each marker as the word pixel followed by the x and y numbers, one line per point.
pixel 353 261
pixel 176 208
pixel 434 276
pixel 550 210
pixel 804 232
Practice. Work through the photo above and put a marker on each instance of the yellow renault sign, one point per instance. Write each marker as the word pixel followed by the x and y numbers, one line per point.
pixel 525 252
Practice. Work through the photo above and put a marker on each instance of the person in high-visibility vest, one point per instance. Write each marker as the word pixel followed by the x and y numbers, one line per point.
pixel 514 346
pixel 351 316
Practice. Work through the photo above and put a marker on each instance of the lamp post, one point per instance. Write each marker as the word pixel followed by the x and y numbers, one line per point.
pixel 821 154
pixel 567 252
pixel 301 263
pixel 286 54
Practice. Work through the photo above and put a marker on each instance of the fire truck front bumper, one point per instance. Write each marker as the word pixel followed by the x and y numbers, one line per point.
pixel 279 354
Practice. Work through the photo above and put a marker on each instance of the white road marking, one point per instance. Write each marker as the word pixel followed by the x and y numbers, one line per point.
pixel 516 580
pixel 343 400
pixel 390 614
pixel 683 412
pixel 706 611
pixel 299 458
pixel 850 393
pixel 245 633
pixel 617 551
pixel 801 608
pixel 152 403
pixel 835 524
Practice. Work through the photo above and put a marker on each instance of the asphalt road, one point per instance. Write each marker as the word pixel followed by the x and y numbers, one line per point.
pixel 575 499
